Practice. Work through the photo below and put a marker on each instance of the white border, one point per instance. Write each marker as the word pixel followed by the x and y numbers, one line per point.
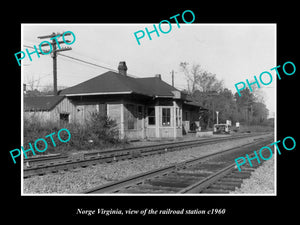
pixel 22 115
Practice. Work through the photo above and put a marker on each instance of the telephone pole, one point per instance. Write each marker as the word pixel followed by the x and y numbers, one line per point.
pixel 54 44
pixel 172 72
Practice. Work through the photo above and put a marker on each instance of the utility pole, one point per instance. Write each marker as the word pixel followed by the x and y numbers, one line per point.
pixel 54 44
pixel 172 72
pixel 211 94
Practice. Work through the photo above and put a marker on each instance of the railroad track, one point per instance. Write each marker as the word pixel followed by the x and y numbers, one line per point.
pixel 214 173
pixel 41 166
pixel 222 181
pixel 43 159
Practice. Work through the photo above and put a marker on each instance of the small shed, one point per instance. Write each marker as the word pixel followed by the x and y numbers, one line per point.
pixel 49 108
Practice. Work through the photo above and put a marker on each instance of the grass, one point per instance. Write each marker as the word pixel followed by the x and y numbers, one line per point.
pixel 255 128
pixel 100 132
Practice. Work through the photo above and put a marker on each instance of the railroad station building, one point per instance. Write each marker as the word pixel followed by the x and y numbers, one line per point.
pixel 142 107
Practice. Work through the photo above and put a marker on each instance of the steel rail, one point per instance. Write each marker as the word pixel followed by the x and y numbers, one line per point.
pixel 201 185
pixel 131 181
pixel 206 182
pixel 45 158
pixel 119 154
pixel 143 149
pixel 164 145
pixel 59 156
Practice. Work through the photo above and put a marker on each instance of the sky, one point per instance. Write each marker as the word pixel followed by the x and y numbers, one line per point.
pixel 234 52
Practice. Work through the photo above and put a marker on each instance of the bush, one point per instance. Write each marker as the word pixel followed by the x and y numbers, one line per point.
pixel 256 128
pixel 34 129
pixel 99 132
pixel 102 129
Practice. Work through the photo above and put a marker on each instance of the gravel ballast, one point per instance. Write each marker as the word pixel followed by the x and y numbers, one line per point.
pixel 260 182
pixel 75 181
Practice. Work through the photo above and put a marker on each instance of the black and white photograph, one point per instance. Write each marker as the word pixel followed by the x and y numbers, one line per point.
pixel 133 112
pixel 181 113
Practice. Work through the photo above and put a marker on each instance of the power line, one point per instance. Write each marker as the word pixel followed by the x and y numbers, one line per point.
pixel 84 61
pixel 93 64
pixel 28 46
pixel 91 59
pixel 80 60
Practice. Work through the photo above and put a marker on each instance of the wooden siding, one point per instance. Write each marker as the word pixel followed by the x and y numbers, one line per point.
pixel 134 119
pixel 129 114
pixel 65 107
pixel 150 132
pixel 114 112
pixel 41 116
pixel 166 132
pixel 78 112
pixel 84 110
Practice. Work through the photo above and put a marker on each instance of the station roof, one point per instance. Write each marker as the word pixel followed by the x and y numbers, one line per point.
pixel 195 104
pixel 115 83
pixel 111 83
pixel 41 103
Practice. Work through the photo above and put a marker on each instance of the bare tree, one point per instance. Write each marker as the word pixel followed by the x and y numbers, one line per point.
pixel 32 83
pixel 258 93
pixel 199 79
pixel 208 82
pixel 191 75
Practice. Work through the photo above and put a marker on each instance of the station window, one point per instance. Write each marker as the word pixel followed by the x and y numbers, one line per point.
pixel 64 117
pixel 151 115
pixel 166 116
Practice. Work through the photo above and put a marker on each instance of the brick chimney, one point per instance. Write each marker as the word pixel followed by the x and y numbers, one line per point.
pixel 122 68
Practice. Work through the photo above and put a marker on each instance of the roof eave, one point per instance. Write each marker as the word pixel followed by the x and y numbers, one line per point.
pixel 99 93
pixel 163 96
pixel 37 110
